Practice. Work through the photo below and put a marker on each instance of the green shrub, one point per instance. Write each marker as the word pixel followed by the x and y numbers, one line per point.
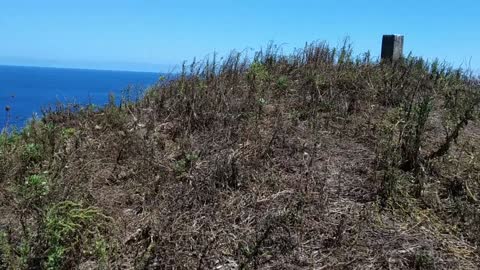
pixel 283 83
pixel 68 132
pixel 8 138
pixel 35 187
pixel 412 131
pixel 115 116
pixel 258 72
pixel 183 165
pixel 11 258
pixel 32 153
pixel 424 261
pixel 66 234
pixel 5 251
pixel 72 229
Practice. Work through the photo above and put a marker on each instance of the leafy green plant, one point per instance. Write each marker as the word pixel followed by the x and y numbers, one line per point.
pixel 66 232
pixel 423 261
pixel 283 83
pixel 183 165
pixel 258 72
pixel 12 257
pixel 32 152
pixel 5 251
pixel 35 187
pixel 111 100
pixel 115 116
pixel 55 258
pixel 7 139
pixel 71 228
pixel 412 132
pixel 25 252
pixel 68 132
pixel 102 252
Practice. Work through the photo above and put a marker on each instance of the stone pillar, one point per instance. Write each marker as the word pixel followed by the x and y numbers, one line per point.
pixel 392 47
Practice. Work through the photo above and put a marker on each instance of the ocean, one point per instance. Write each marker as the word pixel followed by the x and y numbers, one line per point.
pixel 25 90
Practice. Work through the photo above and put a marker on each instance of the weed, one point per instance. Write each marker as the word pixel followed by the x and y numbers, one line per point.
pixel 35 188
pixel 25 253
pixel 5 251
pixel 102 253
pixel 55 258
pixel 258 72
pixel 114 116
pixel 33 153
pixel 71 228
pixel 68 132
pixel 226 173
pixel 412 132
pixel 283 83
pixel 423 261
pixel 184 164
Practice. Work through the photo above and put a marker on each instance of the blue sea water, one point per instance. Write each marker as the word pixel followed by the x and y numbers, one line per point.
pixel 25 90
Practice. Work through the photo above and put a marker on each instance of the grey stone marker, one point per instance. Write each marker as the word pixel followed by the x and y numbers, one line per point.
pixel 392 47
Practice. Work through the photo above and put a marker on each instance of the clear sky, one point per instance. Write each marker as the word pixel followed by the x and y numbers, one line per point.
pixel 155 35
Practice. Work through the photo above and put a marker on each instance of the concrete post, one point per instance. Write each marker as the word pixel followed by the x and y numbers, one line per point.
pixel 392 47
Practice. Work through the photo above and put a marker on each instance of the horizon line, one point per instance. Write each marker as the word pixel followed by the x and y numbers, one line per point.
pixel 78 68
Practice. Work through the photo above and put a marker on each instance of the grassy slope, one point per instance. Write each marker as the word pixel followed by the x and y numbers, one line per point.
pixel 313 160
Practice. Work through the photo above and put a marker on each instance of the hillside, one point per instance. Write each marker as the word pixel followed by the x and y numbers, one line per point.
pixel 314 160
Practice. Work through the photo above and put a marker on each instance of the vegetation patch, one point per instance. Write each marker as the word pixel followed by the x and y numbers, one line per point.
pixel 317 159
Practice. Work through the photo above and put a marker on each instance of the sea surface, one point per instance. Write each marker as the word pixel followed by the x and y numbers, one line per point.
pixel 26 90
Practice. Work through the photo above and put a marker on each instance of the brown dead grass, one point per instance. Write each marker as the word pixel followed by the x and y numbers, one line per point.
pixel 229 168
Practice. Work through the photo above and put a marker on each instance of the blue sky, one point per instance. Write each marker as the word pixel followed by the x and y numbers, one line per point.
pixel 155 35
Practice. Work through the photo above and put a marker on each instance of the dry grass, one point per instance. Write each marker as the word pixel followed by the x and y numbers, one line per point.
pixel 315 160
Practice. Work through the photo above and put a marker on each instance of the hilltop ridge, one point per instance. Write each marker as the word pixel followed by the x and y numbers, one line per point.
pixel 314 160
